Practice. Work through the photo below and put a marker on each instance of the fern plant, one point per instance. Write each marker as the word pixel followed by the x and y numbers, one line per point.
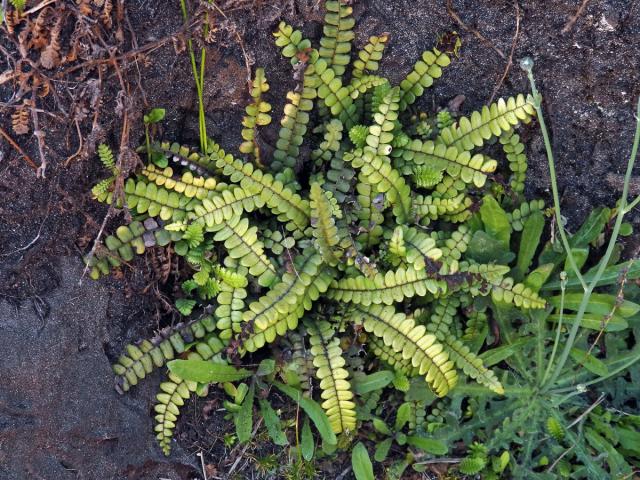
pixel 377 242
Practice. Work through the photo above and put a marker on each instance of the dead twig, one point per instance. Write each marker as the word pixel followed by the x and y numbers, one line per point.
pixel 452 13
pixel 571 22
pixel 39 134
pixel 514 42
pixel 17 148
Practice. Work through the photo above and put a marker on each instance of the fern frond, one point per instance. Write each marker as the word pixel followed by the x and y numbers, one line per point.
pixel 242 244
pixel 555 429
pixel 106 156
pixel 140 360
pixel 403 335
pixel 128 240
pixel 369 214
pixel 257 115
pixel 519 216
pixel 334 378
pixel 301 363
pixel 293 43
pixel 287 205
pixel 472 465
pixel 339 177
pixel 443 316
pixel 427 176
pixel 397 246
pixel 471 364
pixel 378 172
pixel 387 288
pixel 100 190
pixel 324 226
pixel 388 355
pixel 469 133
pixel 514 149
pixel 419 246
pixel 458 164
pixel 519 294
pixel 335 44
pixel 280 309
pixel 183 156
pixel 435 207
pixel 331 144
pixel 231 305
pixel 293 125
pixel 189 185
pixel 335 95
pixel 219 208
pixel 174 391
pixel 370 55
pixel 359 86
pixel 424 72
pixel 453 247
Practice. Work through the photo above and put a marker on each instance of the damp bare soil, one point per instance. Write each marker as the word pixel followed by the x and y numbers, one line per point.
pixel 60 417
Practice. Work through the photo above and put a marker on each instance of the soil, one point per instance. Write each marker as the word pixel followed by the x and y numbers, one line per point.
pixel 60 417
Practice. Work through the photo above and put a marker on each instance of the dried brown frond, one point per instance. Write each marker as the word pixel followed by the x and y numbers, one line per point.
pixel 50 56
pixel 20 120
pixel 105 16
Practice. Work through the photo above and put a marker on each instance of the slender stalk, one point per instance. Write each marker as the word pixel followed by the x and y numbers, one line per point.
pixel 556 342
pixel 537 103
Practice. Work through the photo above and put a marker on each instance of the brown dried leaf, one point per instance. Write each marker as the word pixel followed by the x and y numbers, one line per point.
pixel 20 121
pixel 84 6
pixel 6 76
pixel 50 56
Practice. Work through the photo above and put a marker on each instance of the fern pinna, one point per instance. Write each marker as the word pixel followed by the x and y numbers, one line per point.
pixel 373 240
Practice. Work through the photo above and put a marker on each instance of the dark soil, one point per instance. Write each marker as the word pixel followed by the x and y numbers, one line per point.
pixel 60 417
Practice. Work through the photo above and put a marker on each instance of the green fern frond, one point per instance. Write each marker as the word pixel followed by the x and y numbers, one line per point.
pixel 427 176
pixel 184 156
pixel 443 316
pixel 469 133
pixel 293 125
pixel 140 360
pixel 242 244
pixel 422 76
pixel 293 43
pixel 359 86
pixel 100 191
pixel 335 45
pixel 331 144
pixel 287 205
pixel 257 115
pixel 471 169
pixel 519 294
pixel 378 172
pixel 369 214
pixel 334 378
pixel 280 309
pixel 104 152
pixel 324 226
pixel 514 149
pixel 370 55
pixel 444 119
pixel 403 335
pixel 191 186
pixel 387 288
pixel 174 391
pixel 391 357
pixel 471 364
pixel 129 240
pixel 519 216
pixel 231 305
pixel 335 95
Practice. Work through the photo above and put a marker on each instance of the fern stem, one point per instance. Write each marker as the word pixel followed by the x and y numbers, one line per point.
pixel 604 261
pixel 556 342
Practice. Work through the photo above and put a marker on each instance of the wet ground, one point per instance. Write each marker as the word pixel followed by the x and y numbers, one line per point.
pixel 60 417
